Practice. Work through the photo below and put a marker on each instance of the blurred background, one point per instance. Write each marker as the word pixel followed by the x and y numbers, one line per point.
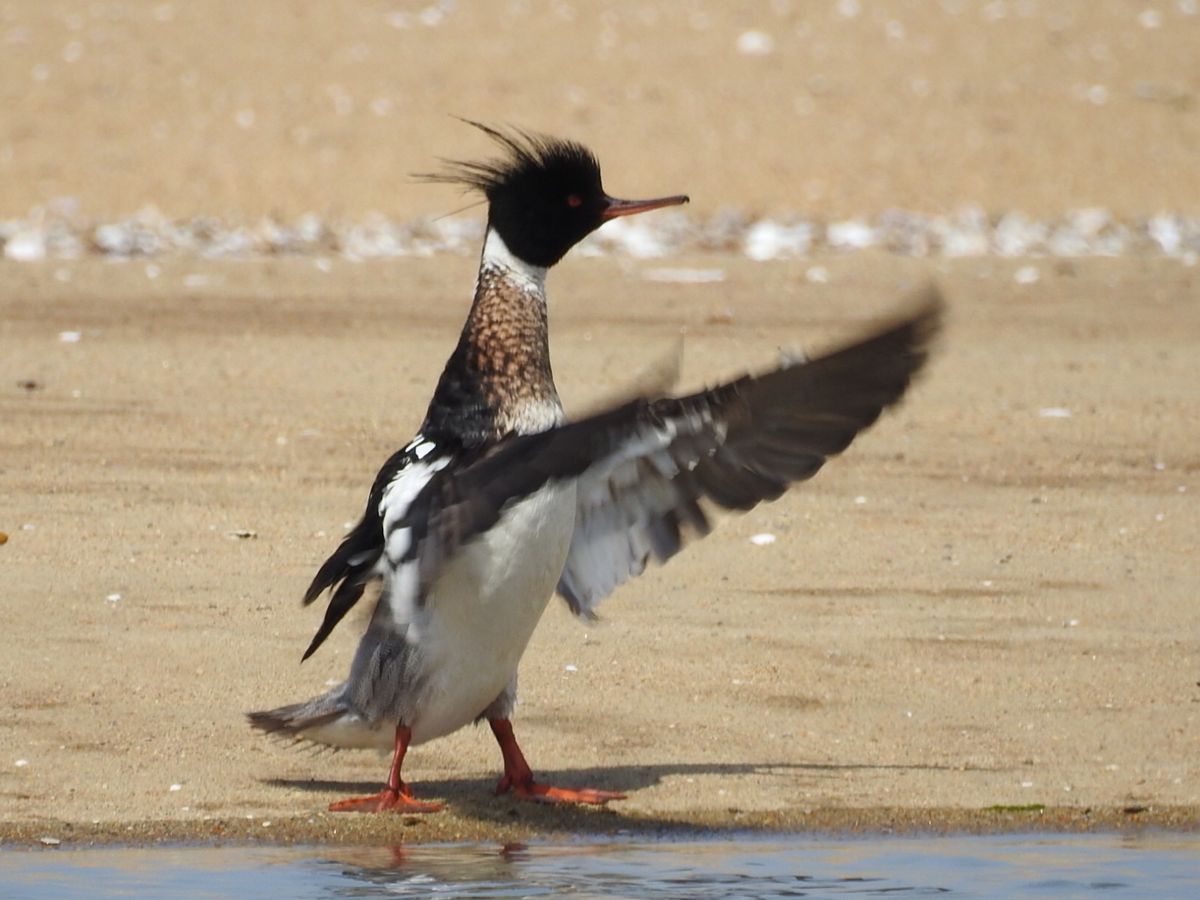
pixel 827 108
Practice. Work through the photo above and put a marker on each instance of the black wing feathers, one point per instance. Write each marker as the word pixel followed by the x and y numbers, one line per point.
pixel 352 564
pixel 781 426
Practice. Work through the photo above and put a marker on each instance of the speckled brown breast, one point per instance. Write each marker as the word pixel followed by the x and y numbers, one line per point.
pixel 498 380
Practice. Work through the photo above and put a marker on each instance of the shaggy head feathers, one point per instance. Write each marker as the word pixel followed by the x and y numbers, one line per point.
pixel 544 195
pixel 529 157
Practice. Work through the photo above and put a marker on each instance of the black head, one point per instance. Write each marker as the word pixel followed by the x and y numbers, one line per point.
pixel 545 195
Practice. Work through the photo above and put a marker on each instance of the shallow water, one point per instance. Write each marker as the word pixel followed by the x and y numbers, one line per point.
pixel 1055 866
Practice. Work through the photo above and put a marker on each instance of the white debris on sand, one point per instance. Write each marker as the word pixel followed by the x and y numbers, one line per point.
pixel 1027 275
pixel 25 246
pixel 60 231
pixel 762 540
pixel 854 234
pixel 755 43
pixel 766 239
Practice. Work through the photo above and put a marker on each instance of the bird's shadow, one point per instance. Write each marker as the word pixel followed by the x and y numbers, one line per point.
pixel 475 797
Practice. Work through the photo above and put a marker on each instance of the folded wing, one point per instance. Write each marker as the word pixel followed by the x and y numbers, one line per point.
pixel 356 561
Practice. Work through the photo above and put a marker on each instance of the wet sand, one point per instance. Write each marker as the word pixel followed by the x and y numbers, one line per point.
pixel 983 616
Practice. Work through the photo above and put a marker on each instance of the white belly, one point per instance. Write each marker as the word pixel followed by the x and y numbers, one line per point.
pixel 479 616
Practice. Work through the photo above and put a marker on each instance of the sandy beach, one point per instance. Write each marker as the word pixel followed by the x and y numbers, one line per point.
pixel 983 616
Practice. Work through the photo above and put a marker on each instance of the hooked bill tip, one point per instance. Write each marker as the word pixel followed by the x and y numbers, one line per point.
pixel 617 208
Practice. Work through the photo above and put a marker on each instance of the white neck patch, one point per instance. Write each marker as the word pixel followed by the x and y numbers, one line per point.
pixel 497 254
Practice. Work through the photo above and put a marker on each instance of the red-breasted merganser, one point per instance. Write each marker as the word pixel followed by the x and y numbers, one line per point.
pixel 499 501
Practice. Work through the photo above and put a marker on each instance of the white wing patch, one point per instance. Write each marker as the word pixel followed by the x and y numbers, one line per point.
pixel 401 580
pixel 619 501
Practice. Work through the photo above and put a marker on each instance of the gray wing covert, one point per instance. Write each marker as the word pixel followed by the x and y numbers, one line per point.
pixel 734 446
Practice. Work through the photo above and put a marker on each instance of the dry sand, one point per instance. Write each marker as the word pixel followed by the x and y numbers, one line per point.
pixel 1007 619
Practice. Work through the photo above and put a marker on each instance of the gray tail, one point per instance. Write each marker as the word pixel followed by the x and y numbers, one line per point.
pixel 294 720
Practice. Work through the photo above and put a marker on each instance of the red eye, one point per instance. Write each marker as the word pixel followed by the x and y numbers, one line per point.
pixel 574 201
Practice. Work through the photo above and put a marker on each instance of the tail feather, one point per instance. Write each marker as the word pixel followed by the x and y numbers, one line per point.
pixel 327 719
pixel 295 719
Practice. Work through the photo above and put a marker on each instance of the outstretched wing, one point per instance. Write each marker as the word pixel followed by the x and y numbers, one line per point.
pixel 735 445
pixel 641 470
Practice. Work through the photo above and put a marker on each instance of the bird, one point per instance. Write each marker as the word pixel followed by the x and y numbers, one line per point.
pixel 500 501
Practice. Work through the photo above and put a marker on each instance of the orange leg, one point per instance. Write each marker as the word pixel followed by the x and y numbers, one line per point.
pixel 396 796
pixel 518 777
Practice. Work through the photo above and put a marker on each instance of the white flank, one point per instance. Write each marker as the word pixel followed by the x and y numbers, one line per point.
pixel 352 733
pixel 481 612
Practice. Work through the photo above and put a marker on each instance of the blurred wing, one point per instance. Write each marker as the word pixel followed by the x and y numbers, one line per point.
pixel 641 469
pixel 734 445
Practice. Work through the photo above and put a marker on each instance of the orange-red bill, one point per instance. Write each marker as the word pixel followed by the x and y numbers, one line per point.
pixel 617 208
